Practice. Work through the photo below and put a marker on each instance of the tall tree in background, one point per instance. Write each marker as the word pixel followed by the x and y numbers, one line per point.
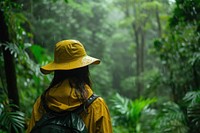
pixel 12 120
pixel 143 17
pixel 139 24
pixel 9 64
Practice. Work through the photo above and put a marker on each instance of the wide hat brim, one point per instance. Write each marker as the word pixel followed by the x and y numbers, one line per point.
pixel 78 63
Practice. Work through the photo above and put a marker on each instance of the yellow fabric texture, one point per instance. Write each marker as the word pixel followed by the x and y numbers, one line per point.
pixel 63 97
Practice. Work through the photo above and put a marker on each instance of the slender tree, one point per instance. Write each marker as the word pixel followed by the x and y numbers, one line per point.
pixel 9 64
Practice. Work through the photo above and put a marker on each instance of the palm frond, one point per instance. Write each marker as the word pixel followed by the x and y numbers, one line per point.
pixel 137 107
pixel 127 113
pixel 192 98
pixel 194 114
pixel 11 120
pixel 120 104
pixel 171 119
pixel 13 48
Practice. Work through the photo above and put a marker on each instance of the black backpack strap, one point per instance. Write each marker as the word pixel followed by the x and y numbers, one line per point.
pixel 85 105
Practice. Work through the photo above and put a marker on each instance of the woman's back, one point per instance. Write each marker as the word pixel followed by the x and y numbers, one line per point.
pixel 71 87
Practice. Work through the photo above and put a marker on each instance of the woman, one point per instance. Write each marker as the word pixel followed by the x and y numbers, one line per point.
pixel 71 86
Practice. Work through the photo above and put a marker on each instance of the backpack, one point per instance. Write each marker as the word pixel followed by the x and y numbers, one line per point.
pixel 62 122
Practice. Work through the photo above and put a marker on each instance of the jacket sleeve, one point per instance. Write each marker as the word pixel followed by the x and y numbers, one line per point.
pixel 36 115
pixel 103 123
pixel 98 118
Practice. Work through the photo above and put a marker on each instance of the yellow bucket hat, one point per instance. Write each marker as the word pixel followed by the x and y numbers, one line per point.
pixel 69 54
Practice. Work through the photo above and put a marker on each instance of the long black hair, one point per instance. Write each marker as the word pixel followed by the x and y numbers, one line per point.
pixel 77 79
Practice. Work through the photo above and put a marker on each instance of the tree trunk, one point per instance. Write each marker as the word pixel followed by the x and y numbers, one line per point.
pixel 138 67
pixel 140 44
pixel 142 49
pixel 158 22
pixel 9 65
pixel 139 33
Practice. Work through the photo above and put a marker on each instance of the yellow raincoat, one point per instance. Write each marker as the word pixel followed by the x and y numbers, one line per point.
pixel 63 97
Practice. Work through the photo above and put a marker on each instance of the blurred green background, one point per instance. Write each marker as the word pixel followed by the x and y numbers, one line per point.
pixel 150 58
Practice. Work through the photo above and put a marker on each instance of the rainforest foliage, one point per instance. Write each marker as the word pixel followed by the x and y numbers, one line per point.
pixel 150 58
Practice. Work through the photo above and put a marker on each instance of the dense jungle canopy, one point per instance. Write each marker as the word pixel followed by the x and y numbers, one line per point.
pixel 150 58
